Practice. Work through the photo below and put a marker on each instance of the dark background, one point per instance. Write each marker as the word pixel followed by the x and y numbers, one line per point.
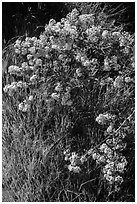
pixel 19 18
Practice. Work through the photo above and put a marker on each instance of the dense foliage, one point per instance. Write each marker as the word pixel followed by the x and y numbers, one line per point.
pixel 68 112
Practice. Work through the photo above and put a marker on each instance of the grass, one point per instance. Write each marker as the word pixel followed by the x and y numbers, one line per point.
pixel 34 141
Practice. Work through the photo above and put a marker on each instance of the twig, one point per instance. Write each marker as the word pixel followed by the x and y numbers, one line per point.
pixel 86 183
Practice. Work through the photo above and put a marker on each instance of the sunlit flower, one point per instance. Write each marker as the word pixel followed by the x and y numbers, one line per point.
pixel 21 84
pixel 18 51
pixel 29 56
pixel 95 155
pixel 86 63
pixel 104 118
pixel 105 34
pixel 52 22
pixel 106 65
pixel 38 62
pixel 75 169
pixel 13 69
pixel 110 128
pixel 103 147
pixel 118 179
pixel 116 35
pixel 83 159
pixel 58 87
pixel 24 107
pixel 33 78
pixel 55 96
pixel 79 72
pixel 66 99
pixel 31 98
pixel 32 50
pixel 118 83
pixel 128 79
pixel 109 178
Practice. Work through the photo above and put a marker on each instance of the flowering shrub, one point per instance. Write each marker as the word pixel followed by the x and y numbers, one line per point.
pixel 79 71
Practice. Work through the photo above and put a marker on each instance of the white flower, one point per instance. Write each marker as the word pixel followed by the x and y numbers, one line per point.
pixel 67 157
pixel 68 46
pixel 58 88
pixel 38 62
pixel 101 159
pixel 55 96
pixel 34 39
pixel 119 179
pixel 69 103
pixel 29 56
pixel 116 35
pixel 78 57
pixel 103 147
pixel 24 64
pixel 110 165
pixel 105 34
pixel 120 167
pixel 31 98
pixel 33 78
pixel 74 159
pixel 24 107
pixel 110 128
pixel 118 83
pixel 128 79
pixel 83 159
pixel 90 151
pixel 106 65
pixel 95 155
pixel 31 62
pixel 21 84
pixel 56 47
pixel 13 69
pixel 17 51
pixel 75 169
pixel 86 20
pixel 86 63
pixel 6 88
pixel 101 119
pixel 32 50
pixel 109 178
pixel 52 22
pixel 83 58
pixel 108 151
pixel 18 42
pixel 79 72
pixel 20 106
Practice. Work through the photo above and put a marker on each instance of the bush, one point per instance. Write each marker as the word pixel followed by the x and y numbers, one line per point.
pixel 68 112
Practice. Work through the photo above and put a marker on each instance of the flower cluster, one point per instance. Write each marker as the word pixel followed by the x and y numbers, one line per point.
pixel 105 118
pixel 118 83
pixel 74 160
pixel 24 106
pixel 111 63
pixel 14 87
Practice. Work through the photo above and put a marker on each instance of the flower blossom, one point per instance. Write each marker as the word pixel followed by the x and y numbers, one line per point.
pixel 75 169
pixel 33 78
pixel 128 79
pixel 13 69
pixel 104 118
pixel 55 96
pixel 105 34
pixel 24 107
pixel 79 72
pixel 58 88
pixel 118 83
